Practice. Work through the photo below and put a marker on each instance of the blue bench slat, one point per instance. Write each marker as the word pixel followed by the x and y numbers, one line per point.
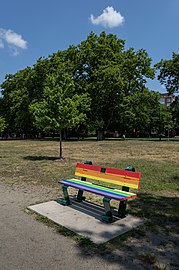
pixel 82 184
pixel 96 190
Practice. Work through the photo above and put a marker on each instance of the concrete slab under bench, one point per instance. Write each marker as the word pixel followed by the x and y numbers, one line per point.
pixel 84 218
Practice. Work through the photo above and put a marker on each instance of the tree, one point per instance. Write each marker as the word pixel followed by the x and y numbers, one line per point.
pixel 16 99
pixel 97 72
pixel 19 91
pixel 109 73
pixel 169 73
pixel 140 111
pixel 136 67
pixel 2 124
pixel 175 112
pixel 60 108
pixel 168 122
pixel 99 67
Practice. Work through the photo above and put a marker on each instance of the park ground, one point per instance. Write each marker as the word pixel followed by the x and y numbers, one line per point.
pixel 29 172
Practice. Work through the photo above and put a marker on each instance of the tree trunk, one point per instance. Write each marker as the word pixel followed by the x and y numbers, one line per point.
pixel 61 145
pixel 168 134
pixel 99 135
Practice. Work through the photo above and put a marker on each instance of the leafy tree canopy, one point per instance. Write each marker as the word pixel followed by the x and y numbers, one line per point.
pixel 60 108
pixel 169 73
pixel 87 85
pixel 2 124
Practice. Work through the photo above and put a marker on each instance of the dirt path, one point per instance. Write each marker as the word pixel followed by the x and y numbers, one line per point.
pixel 28 244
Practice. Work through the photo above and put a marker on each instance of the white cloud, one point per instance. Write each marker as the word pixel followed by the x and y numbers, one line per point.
pixel 1 44
pixel 13 40
pixel 109 18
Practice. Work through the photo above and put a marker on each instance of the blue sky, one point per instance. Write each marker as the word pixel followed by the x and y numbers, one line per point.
pixel 37 28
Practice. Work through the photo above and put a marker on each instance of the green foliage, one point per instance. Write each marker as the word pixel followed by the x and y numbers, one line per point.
pixel 135 69
pixel 168 122
pixel 60 107
pixel 175 112
pixel 16 100
pixel 169 73
pixel 96 85
pixel 141 109
pixel 110 74
pixel 2 124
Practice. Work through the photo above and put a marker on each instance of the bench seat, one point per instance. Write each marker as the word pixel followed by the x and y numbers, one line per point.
pixel 107 192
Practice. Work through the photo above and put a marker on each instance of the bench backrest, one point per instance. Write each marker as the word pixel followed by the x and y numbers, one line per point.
pixel 110 175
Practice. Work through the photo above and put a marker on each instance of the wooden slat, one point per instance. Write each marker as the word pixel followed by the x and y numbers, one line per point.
pixel 103 191
pixel 86 183
pixel 114 176
pixel 120 183
pixel 108 176
pixel 109 170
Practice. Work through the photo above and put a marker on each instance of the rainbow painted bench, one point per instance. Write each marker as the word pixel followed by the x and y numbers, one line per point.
pixel 104 182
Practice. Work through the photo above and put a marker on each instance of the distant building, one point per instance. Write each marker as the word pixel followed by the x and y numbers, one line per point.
pixel 167 99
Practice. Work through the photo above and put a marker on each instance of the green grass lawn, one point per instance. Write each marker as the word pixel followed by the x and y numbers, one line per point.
pixel 36 162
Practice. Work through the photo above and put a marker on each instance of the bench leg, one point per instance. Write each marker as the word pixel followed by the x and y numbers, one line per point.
pixel 80 196
pixel 122 209
pixel 123 205
pixel 108 213
pixel 66 200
